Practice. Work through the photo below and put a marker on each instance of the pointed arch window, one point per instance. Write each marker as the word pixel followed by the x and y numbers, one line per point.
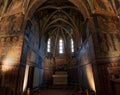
pixel 49 45
pixel 61 46
pixel 72 45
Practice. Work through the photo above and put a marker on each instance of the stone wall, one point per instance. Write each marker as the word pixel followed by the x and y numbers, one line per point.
pixel 86 59
pixel 31 59
pixel 14 54
pixel 11 39
pixel 107 52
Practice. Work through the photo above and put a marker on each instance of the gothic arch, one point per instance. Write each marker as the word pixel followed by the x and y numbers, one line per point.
pixel 78 3
pixel 79 6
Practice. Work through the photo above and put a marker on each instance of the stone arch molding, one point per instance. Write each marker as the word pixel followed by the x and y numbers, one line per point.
pixel 37 3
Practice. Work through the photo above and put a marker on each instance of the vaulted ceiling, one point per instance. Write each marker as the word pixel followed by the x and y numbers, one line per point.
pixel 87 7
pixel 60 19
pixel 59 16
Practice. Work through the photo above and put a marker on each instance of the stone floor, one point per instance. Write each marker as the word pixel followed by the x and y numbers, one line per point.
pixel 57 91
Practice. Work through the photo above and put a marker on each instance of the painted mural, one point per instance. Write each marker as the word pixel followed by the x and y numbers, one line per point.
pixel 103 7
pixel 12 5
pixel 9 7
pixel 108 45
pixel 107 29
pixel 8 79
pixel 117 5
pixel 107 24
pixel 114 73
pixel 9 26
pixel 11 38
pixel 10 50
pixel 1 6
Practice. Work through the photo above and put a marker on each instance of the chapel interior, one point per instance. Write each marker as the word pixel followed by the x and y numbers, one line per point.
pixel 59 47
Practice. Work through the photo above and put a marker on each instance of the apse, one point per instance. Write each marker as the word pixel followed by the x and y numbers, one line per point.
pixel 62 33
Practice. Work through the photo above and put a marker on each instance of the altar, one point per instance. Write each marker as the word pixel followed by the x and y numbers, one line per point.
pixel 60 78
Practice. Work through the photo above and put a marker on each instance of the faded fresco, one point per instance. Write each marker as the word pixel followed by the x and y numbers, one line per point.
pixel 11 25
pixel 2 2
pixel 13 4
pixel 114 73
pixel 108 24
pixel 108 45
pixel 107 36
pixel 8 79
pixel 116 4
pixel 103 7
pixel 14 54
pixel 10 50
pixel 11 39
pixel 10 7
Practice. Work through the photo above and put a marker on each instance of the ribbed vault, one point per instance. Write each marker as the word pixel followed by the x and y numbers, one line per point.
pixel 60 18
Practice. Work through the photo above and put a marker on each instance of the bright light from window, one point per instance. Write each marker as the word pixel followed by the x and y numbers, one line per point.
pixel 61 46
pixel 61 43
pixel 48 50
pixel 72 50
pixel 60 40
pixel 72 45
pixel 60 51
pixel 48 45
pixel 49 41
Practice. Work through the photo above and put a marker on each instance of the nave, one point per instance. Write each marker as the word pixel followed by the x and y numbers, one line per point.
pixel 49 42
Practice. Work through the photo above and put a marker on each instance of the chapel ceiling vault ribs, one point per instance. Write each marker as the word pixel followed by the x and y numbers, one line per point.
pixel 59 16
pixel 105 7
pixel 59 19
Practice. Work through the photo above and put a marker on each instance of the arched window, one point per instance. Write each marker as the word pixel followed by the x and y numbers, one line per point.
pixel 49 45
pixel 61 46
pixel 72 46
